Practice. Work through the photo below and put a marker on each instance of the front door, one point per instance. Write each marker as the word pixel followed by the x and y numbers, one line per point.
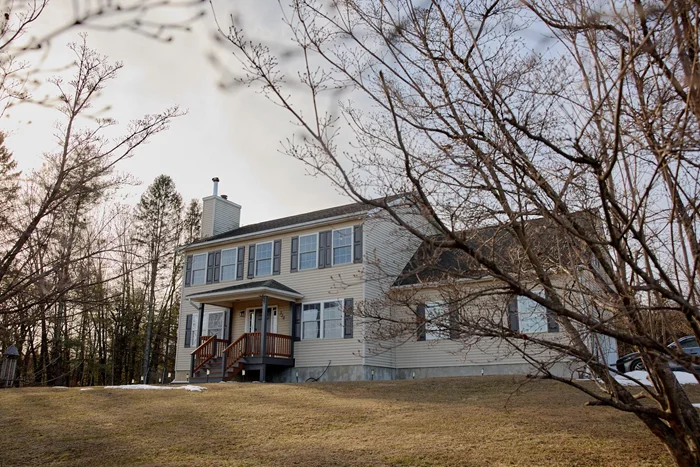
pixel 255 320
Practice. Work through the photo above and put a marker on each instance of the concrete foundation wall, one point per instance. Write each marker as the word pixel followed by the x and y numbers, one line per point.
pixel 368 373
pixel 181 376
pixel 475 370
pixel 334 373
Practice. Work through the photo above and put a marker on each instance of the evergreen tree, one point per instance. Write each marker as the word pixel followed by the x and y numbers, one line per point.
pixel 158 218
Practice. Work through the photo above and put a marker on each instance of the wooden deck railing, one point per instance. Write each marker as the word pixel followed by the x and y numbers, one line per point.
pixel 221 345
pixel 205 352
pixel 253 344
pixel 235 351
pixel 278 345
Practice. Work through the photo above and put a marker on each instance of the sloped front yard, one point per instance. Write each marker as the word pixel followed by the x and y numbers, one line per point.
pixel 456 421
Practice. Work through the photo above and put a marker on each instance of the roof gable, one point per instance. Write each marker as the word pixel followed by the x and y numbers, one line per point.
pixel 431 264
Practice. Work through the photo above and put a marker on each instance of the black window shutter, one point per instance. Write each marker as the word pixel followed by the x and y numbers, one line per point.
pixel 295 255
pixel 357 243
pixel 347 325
pixel 188 331
pixel 227 324
pixel 420 315
pixel 453 321
pixel 297 321
pixel 513 319
pixel 217 265
pixel 322 250
pixel 329 248
pixel 240 263
pixel 276 256
pixel 210 267
pixel 251 261
pixel 552 324
pixel 188 271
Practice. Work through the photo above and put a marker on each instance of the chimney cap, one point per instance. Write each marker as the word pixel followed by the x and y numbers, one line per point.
pixel 215 179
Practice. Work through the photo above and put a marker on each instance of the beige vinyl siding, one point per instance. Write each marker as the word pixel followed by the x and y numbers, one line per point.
pixel 447 352
pixel 337 282
pixel 227 216
pixel 388 248
pixel 284 316
pixel 207 217
pixel 320 352
pixel 182 355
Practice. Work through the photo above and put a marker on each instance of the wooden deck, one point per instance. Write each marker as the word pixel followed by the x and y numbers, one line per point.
pixel 218 360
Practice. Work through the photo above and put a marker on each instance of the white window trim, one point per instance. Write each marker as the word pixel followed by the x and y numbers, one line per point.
pixel 299 268
pixel 193 269
pixel 437 333
pixel 352 244
pixel 235 265
pixel 322 319
pixel 544 312
pixel 194 330
pixel 275 316
pixel 205 319
pixel 257 258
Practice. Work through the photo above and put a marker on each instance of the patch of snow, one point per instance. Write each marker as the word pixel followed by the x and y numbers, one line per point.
pixel 187 387
pixel 86 389
pixel 696 405
pixel 643 377
pixel 60 387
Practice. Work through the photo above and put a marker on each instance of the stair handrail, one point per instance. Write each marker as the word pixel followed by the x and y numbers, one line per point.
pixel 235 351
pixel 205 352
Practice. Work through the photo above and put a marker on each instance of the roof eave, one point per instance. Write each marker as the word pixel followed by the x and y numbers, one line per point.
pixel 243 293
pixel 436 284
pixel 263 233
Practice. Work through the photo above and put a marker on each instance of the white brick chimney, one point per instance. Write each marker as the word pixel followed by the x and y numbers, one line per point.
pixel 219 215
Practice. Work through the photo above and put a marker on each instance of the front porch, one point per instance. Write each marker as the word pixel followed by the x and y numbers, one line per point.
pixel 217 360
pixel 243 345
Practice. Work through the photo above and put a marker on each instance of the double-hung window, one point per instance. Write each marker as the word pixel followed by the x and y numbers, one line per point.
pixel 342 246
pixel 263 259
pixel 199 269
pixel 532 317
pixel 228 264
pixel 213 324
pixel 308 252
pixel 322 320
pixel 191 330
pixel 434 321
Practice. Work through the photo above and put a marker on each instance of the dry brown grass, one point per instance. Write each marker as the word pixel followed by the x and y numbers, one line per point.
pixel 454 421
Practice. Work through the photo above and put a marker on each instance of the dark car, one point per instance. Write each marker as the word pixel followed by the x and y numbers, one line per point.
pixel 633 362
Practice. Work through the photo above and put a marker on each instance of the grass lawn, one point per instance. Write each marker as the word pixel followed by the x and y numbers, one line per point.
pixel 450 421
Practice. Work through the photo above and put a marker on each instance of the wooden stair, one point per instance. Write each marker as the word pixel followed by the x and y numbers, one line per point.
pixel 215 374
pixel 225 361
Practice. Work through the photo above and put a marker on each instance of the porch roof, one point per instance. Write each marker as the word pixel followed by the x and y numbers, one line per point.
pixel 246 291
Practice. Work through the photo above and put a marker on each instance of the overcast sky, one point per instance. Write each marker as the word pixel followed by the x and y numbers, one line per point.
pixel 233 134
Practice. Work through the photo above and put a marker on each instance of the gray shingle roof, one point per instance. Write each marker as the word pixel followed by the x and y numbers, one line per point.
pixel 346 209
pixel 431 264
pixel 270 284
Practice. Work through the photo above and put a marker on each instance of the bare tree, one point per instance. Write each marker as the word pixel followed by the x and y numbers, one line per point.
pixel 19 34
pixel 496 113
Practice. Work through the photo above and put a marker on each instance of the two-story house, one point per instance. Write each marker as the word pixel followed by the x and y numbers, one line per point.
pixel 275 301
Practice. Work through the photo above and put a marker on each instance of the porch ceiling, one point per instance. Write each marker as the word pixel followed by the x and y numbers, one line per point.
pixel 247 291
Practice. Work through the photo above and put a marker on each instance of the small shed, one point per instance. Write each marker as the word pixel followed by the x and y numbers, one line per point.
pixel 8 367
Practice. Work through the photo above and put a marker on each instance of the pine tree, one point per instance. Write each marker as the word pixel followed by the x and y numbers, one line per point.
pixel 158 218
